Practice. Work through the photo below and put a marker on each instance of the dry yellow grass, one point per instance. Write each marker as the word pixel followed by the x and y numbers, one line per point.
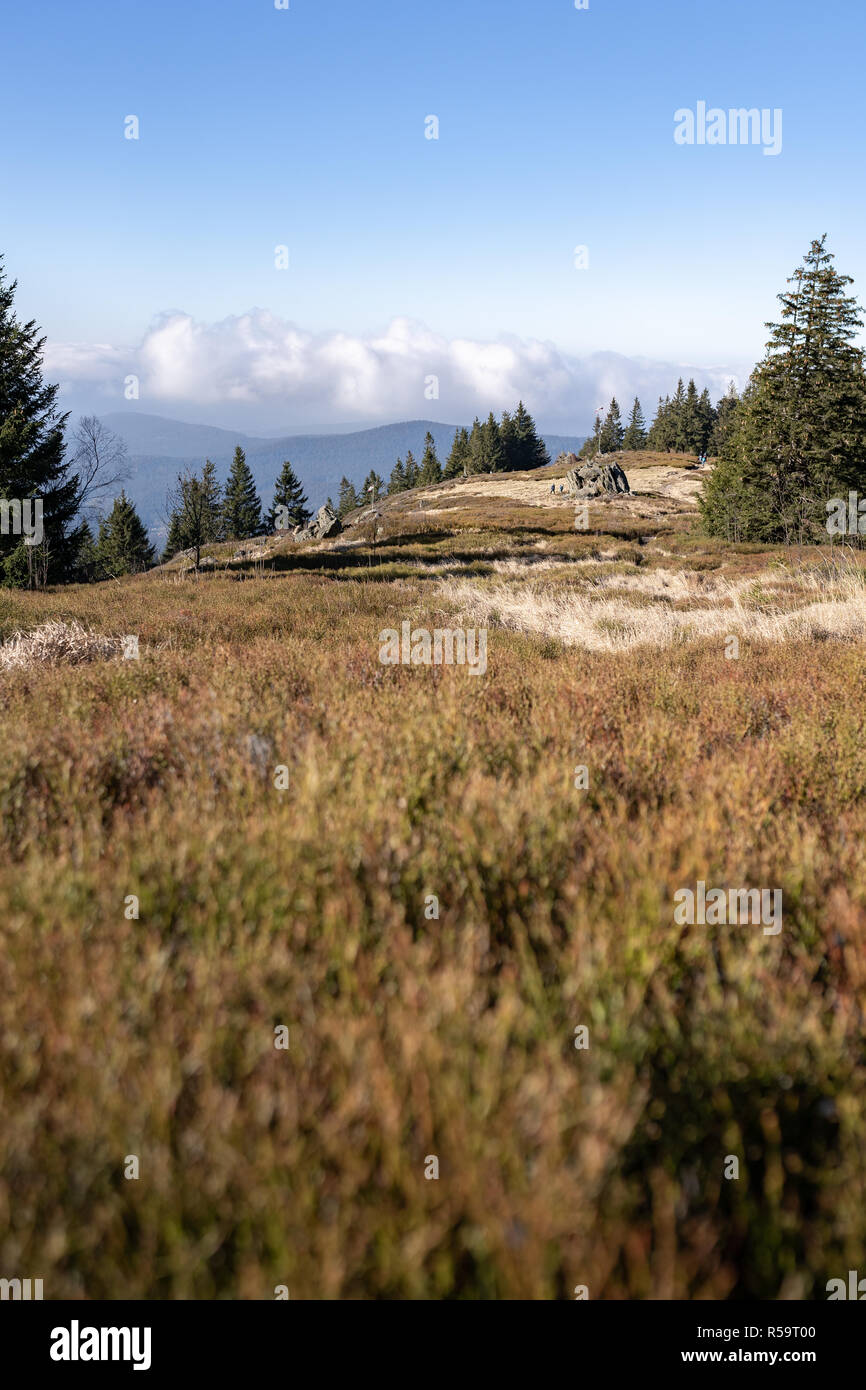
pixel 413 1035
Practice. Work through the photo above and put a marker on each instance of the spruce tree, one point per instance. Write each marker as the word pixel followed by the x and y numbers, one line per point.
pixel 397 480
pixel 475 462
pixel 122 546
pixel 33 466
pixel 411 471
pixel 431 468
pixel 289 507
pixel 590 446
pixel 635 436
pixel 212 524
pixel 491 445
pixel 458 459
pixel 723 418
pixel 612 431
pixel 798 437
pixel 372 489
pixel 530 450
pixel 241 509
pixel 347 498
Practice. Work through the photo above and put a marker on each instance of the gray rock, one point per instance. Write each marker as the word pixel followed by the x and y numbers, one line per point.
pixel 324 524
pixel 599 477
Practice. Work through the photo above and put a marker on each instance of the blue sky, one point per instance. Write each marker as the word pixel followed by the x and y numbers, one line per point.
pixel 305 127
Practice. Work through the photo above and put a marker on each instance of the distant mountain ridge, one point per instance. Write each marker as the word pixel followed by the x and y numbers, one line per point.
pixel 159 448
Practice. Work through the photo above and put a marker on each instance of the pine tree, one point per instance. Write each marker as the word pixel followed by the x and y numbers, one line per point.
pixel 33 466
pixel 798 437
pixel 122 546
pixel 458 459
pixel 635 436
pixel 242 509
pixel 530 450
pixel 397 480
pixel 431 468
pixel 612 431
pixel 175 540
pixel 707 416
pixel 676 416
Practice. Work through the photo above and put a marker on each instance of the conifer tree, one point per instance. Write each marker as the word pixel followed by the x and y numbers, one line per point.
pixel 372 489
pixel 289 507
pixel 431 469
pixel 635 436
pixel 411 471
pixel 612 431
pixel 33 465
pixel 397 480
pixel 347 498
pixel 458 459
pixel 491 445
pixel 798 437
pixel 475 462
pixel 590 446
pixel 212 505
pixel 122 546
pixel 531 450
pixel 241 508
pixel 723 418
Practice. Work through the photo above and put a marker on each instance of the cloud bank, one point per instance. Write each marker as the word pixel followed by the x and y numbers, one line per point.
pixel 256 368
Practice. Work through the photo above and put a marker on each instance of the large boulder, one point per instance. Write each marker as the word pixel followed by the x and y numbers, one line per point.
pixel 598 477
pixel 323 525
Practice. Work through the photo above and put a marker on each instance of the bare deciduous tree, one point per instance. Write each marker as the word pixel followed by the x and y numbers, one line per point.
pixel 100 459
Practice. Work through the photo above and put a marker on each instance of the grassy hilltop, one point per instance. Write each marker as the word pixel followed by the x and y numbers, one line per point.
pixel 412 1036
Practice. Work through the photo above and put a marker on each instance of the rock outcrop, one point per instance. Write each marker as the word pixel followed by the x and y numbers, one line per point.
pixel 324 524
pixel 596 478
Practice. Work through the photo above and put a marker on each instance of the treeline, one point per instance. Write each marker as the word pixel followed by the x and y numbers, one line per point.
pixel 509 445
pixel 685 423
pixel 200 512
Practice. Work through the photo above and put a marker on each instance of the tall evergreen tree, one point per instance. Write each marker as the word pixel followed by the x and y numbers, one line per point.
pixel 591 446
pixel 372 489
pixel 347 498
pixel 213 528
pixel 635 436
pixel 33 465
pixel 491 445
pixel 458 459
pixel 724 414
pixel 242 509
pixel 397 480
pixel 612 431
pixel 476 460
pixel 531 450
pixel 798 437
pixel 431 469
pixel 411 471
pixel 122 546
pixel 289 507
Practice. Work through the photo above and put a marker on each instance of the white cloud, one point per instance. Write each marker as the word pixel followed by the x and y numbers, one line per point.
pixel 274 371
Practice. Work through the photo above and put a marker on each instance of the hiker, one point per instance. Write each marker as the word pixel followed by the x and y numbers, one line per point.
pixel 562 487
pixel 553 487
